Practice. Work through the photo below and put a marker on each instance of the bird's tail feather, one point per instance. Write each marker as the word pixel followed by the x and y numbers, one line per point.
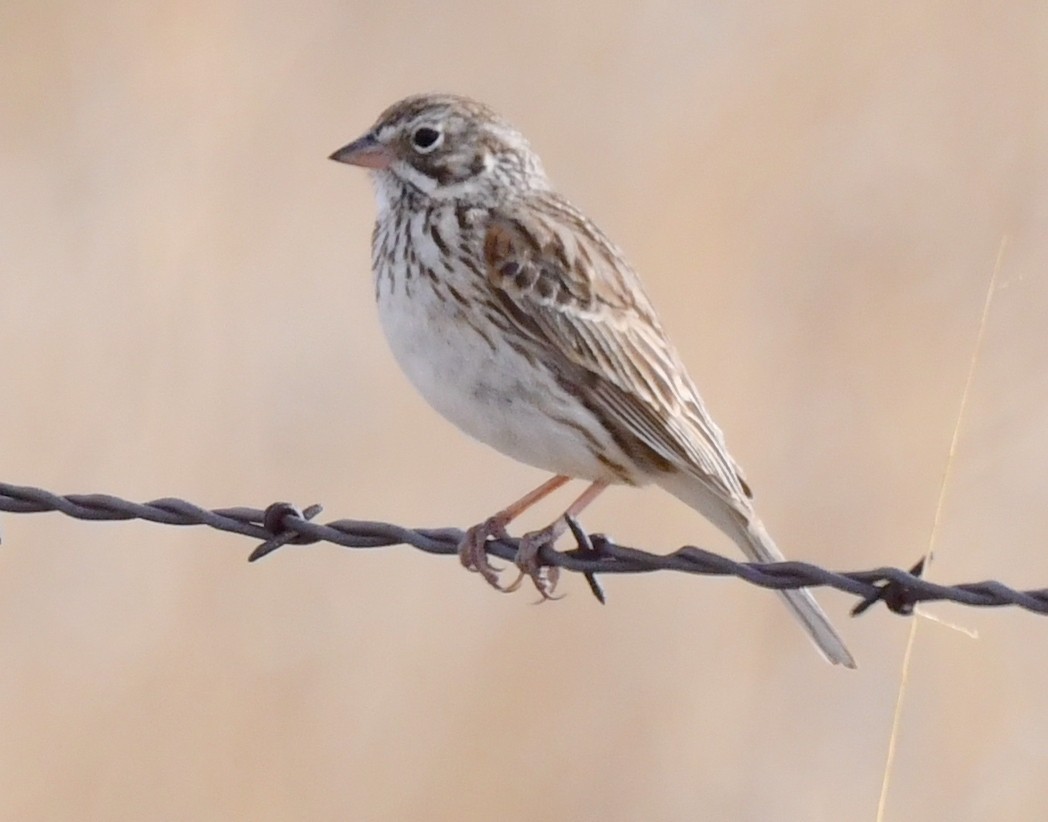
pixel 758 546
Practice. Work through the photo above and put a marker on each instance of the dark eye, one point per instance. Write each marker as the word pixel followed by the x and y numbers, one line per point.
pixel 426 138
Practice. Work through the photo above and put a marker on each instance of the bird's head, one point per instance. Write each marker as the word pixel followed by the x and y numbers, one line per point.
pixel 445 147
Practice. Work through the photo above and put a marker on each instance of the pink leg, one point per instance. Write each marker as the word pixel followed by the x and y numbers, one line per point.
pixel 471 550
pixel 531 544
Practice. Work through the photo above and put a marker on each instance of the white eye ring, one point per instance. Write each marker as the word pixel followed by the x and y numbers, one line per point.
pixel 425 139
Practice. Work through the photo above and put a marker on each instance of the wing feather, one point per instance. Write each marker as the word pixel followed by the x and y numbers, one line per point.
pixel 571 291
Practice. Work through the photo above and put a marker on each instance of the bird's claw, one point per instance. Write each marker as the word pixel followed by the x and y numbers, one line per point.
pixel 473 552
pixel 473 555
pixel 544 578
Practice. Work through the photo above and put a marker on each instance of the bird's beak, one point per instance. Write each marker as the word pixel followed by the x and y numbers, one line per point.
pixel 367 152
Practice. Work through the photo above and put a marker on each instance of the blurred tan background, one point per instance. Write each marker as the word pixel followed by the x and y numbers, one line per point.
pixel 815 194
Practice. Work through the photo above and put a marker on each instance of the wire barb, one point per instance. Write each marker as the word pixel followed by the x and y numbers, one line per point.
pixel 279 519
pixel 282 524
pixel 585 548
pixel 894 595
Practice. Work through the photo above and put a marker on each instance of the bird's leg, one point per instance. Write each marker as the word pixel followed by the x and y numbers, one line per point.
pixel 531 544
pixel 472 551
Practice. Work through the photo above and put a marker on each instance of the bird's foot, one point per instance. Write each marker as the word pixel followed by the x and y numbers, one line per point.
pixel 544 578
pixel 473 553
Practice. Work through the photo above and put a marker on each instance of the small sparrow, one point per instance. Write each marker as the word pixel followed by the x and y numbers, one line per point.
pixel 523 324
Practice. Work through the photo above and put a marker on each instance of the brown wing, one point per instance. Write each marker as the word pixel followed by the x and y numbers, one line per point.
pixel 568 288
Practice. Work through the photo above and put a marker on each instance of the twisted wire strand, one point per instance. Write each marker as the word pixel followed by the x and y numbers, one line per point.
pixel 281 524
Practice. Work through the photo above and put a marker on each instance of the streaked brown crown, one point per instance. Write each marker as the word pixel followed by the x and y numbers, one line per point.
pixel 446 145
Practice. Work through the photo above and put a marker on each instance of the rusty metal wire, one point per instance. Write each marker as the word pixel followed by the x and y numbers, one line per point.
pixel 282 524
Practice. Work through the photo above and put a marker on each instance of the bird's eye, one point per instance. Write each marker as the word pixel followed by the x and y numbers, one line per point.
pixel 426 138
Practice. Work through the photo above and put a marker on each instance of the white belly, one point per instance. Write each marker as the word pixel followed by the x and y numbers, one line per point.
pixel 496 396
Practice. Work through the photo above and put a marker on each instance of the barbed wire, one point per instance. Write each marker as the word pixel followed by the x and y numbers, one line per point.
pixel 283 524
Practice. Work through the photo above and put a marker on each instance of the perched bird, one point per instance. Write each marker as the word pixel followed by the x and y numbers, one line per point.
pixel 523 324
